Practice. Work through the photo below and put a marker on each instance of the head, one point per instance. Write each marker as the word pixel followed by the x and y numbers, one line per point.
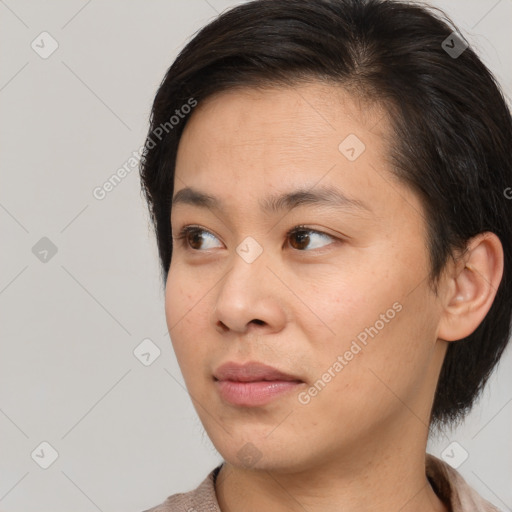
pixel 407 277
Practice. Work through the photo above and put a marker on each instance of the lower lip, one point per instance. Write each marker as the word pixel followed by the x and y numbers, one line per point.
pixel 252 394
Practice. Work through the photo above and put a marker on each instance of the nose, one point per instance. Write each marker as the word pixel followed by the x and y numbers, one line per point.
pixel 249 297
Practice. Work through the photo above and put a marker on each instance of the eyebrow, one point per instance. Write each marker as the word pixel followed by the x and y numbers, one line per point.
pixel 321 196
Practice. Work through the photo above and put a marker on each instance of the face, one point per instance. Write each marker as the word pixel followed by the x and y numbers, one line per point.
pixel 332 292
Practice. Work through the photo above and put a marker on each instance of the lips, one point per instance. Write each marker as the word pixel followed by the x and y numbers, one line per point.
pixel 252 372
pixel 254 384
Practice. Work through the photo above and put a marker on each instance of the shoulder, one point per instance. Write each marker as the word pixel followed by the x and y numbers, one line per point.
pixel 451 487
pixel 200 499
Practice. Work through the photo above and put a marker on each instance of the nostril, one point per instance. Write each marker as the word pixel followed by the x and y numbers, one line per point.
pixel 223 326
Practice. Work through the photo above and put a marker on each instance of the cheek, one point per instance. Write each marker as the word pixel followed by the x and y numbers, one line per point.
pixel 355 383
pixel 378 327
pixel 344 304
pixel 385 365
pixel 185 313
pixel 180 297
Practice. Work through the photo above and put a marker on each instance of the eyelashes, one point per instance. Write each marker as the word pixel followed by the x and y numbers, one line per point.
pixel 185 233
pixel 193 235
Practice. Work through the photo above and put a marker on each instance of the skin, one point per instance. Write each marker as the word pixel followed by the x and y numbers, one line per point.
pixel 360 443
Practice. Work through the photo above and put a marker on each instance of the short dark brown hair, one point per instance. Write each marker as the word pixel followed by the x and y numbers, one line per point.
pixel 452 130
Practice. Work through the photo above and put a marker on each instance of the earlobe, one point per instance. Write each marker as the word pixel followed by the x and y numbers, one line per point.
pixel 474 282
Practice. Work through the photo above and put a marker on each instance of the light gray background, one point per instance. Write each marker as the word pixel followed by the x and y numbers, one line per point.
pixel 126 434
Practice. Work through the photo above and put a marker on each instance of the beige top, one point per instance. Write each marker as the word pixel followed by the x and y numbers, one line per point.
pixel 447 483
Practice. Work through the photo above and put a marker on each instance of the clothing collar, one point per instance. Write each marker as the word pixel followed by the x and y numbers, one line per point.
pixel 447 483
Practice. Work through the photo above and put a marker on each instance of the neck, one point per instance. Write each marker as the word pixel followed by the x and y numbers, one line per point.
pixel 378 478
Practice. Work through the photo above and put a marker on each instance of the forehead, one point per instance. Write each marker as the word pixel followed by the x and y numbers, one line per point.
pixel 303 113
pixel 268 141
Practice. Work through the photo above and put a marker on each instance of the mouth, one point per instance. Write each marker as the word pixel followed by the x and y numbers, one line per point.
pixel 252 372
pixel 253 384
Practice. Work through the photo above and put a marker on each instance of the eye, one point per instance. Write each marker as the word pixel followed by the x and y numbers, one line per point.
pixel 190 237
pixel 303 236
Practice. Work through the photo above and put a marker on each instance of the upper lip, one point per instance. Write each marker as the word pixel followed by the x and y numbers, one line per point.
pixel 251 372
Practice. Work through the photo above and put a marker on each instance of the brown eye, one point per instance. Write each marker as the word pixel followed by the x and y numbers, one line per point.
pixel 305 236
pixel 191 237
pixel 301 237
pixel 194 238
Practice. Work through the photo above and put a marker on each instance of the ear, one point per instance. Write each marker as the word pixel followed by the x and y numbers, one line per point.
pixel 471 286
